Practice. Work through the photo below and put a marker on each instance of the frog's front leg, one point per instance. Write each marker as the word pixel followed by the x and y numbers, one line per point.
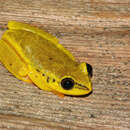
pixel 13 62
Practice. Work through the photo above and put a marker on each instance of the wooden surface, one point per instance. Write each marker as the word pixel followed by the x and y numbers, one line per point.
pixel 95 31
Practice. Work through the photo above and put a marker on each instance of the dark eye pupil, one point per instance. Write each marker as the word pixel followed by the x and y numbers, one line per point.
pixel 67 83
pixel 89 69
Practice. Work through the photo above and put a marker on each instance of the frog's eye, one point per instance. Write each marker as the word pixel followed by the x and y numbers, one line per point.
pixel 89 69
pixel 67 83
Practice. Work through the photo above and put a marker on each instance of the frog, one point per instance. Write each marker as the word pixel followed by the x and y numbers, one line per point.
pixel 35 56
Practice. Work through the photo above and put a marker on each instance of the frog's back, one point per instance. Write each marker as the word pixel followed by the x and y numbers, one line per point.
pixel 41 52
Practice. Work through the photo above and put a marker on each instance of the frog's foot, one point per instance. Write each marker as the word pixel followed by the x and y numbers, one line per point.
pixel 58 93
pixel 27 79
pixel 23 73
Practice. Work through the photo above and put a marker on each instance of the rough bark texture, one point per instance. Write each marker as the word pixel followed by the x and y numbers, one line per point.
pixel 95 31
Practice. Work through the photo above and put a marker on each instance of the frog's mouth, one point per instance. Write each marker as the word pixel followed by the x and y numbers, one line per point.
pixel 80 86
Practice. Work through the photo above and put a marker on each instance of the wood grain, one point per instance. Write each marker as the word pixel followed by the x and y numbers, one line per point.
pixel 97 32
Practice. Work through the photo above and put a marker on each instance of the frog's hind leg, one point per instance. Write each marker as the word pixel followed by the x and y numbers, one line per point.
pixel 13 62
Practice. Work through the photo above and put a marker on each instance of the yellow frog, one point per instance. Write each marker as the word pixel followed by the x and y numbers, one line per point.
pixel 35 56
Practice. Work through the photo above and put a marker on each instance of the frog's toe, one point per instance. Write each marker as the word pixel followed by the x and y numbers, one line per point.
pixel 58 94
pixel 27 79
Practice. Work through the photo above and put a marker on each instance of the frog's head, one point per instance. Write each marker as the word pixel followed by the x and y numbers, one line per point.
pixel 76 81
